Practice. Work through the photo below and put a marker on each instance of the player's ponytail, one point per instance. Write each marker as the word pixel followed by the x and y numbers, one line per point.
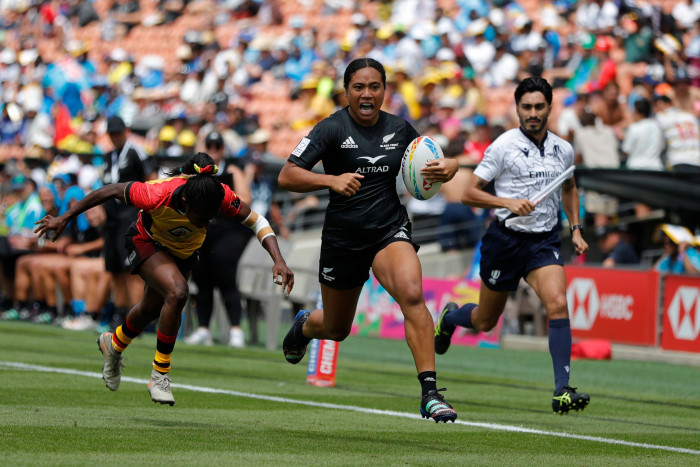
pixel 202 191
pixel 201 163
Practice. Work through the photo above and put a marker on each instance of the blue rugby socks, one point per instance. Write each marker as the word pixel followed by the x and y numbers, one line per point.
pixel 560 349
pixel 461 317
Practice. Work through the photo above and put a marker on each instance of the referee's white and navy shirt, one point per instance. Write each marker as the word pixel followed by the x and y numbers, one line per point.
pixel 520 169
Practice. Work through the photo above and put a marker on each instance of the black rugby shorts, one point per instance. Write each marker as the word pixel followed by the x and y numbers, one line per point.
pixel 344 269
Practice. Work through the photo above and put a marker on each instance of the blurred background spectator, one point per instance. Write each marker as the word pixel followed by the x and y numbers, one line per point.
pixel 616 247
pixel 218 260
pixel 679 255
pixel 682 135
pixel 596 146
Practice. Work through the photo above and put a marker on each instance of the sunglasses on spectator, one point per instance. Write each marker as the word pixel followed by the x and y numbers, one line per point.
pixel 214 146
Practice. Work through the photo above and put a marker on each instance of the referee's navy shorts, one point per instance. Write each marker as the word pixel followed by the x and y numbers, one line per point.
pixel 507 255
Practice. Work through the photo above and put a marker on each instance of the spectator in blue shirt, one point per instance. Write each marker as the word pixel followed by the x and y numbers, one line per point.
pixel 615 246
pixel 679 257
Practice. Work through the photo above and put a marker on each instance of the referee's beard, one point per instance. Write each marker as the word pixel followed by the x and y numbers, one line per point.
pixel 534 128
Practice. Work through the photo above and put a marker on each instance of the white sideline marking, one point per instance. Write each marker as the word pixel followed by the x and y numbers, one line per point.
pixel 352 408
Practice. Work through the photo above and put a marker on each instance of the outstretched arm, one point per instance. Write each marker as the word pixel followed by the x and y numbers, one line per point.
pixel 267 239
pixel 57 224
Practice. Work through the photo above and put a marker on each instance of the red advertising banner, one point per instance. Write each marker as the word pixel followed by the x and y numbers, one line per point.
pixel 323 360
pixel 615 304
pixel 378 314
pixel 681 322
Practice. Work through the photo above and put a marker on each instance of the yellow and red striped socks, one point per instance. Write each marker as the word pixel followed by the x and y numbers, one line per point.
pixel 164 350
pixel 123 336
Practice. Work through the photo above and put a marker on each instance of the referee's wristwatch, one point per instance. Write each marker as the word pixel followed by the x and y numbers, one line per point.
pixel 576 227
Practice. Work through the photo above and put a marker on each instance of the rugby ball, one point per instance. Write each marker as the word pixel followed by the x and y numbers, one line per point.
pixel 420 151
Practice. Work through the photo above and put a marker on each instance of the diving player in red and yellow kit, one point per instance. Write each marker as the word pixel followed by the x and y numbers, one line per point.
pixel 171 226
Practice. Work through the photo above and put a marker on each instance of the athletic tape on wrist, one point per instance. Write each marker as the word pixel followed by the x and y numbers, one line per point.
pixel 259 225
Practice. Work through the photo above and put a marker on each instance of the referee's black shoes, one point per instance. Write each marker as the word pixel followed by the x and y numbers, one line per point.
pixel 443 334
pixel 566 399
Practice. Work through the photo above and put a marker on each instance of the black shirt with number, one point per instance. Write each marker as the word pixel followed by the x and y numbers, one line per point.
pixel 344 146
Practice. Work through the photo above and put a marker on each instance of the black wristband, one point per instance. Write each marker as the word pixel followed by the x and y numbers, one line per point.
pixel 575 227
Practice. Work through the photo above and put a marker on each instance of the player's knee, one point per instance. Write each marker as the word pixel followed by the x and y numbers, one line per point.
pixel 178 294
pixel 486 325
pixel 337 335
pixel 557 307
pixel 411 296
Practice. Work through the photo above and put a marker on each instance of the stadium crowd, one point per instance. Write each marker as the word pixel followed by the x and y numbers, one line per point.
pixel 261 73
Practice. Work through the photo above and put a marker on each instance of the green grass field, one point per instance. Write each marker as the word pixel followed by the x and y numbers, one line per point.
pixel 250 407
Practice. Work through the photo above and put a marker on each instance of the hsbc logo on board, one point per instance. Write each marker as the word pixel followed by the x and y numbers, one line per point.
pixel 582 297
pixel 684 313
pixel 586 304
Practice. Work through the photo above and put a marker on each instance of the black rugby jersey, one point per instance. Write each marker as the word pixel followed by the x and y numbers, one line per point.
pixel 344 146
pixel 127 164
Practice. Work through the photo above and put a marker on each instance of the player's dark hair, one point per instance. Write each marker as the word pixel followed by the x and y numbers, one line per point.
pixel 643 107
pixel 202 191
pixel 360 63
pixel 534 84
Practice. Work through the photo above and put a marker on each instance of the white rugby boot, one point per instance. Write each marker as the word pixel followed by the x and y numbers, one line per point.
pixel 159 388
pixel 112 367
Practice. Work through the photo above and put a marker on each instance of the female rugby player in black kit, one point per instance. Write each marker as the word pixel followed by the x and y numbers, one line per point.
pixel 365 226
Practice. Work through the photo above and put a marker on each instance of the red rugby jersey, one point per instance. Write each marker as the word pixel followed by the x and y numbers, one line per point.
pixel 162 216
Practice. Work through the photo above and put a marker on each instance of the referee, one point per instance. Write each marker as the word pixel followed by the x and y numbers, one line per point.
pixel 521 162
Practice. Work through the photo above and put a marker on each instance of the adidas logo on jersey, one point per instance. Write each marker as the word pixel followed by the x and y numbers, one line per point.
pixel 401 234
pixel 349 143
